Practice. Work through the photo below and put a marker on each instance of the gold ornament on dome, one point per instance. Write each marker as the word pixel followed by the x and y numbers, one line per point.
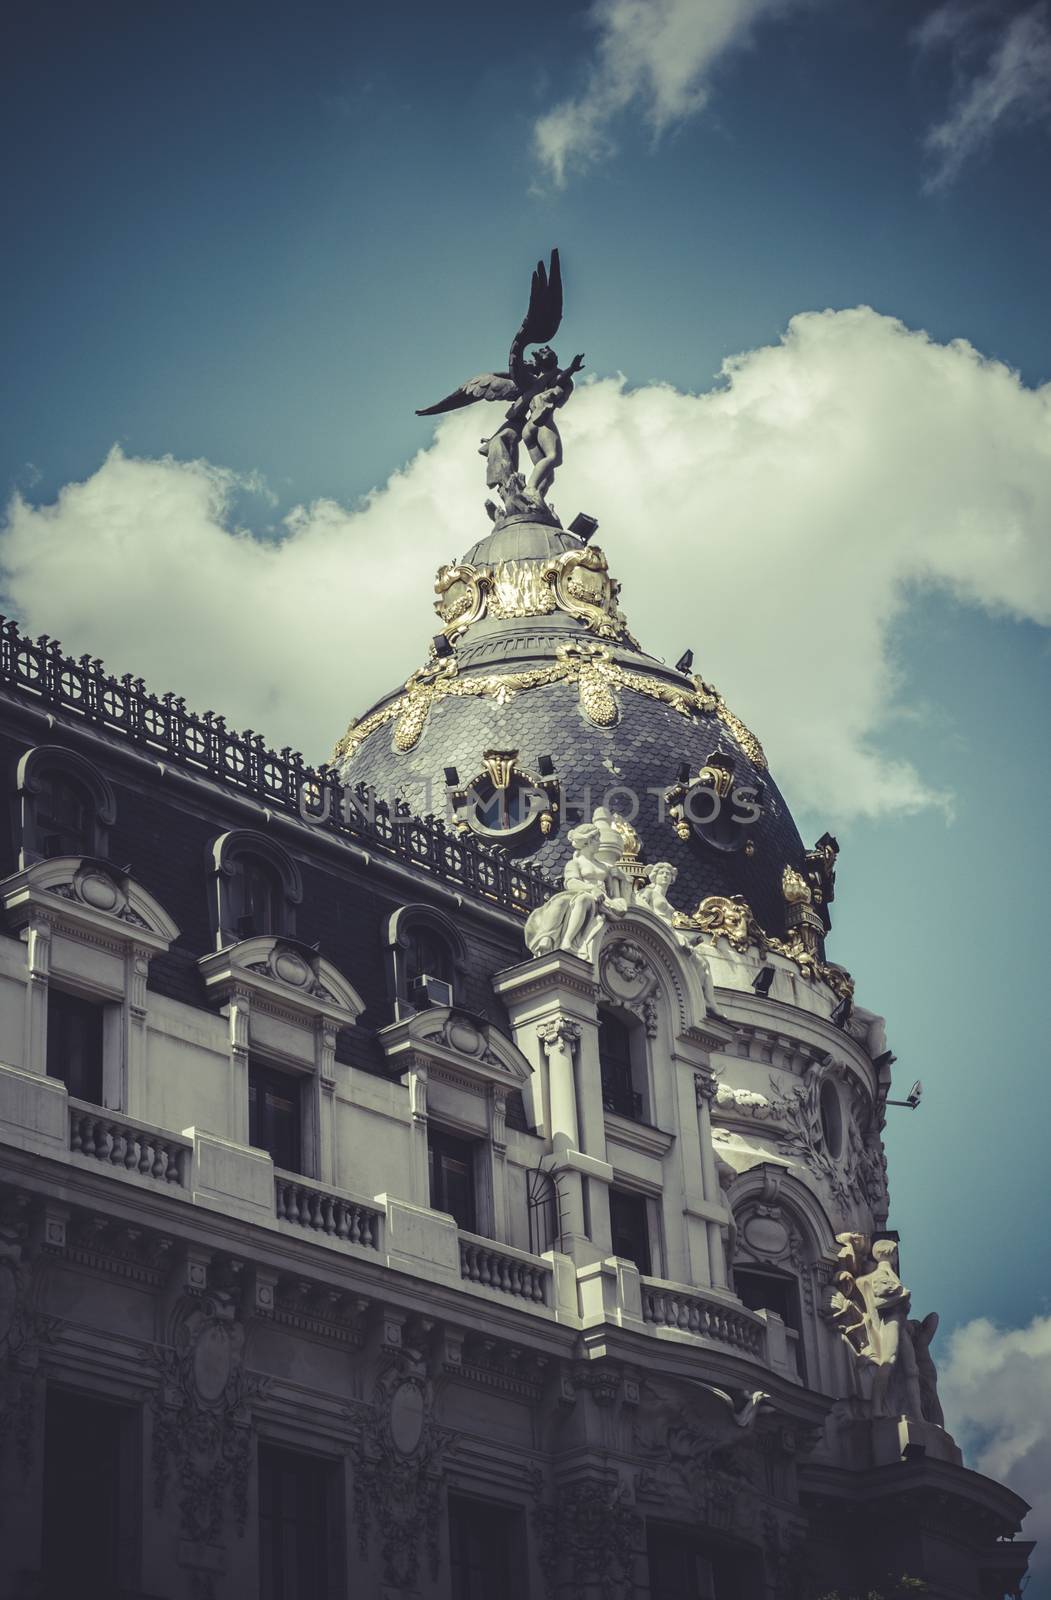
pixel 577 582
pixel 500 765
pixel 586 663
pixel 795 889
pixel 730 917
pixel 631 850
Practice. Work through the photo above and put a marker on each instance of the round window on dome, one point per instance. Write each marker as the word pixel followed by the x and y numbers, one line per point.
pixel 831 1117
pixel 505 804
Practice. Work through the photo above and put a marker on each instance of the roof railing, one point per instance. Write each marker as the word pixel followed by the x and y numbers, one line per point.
pixel 203 743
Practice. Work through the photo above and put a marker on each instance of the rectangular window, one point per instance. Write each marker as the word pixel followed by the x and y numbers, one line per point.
pixel 275 1118
pixel 685 1566
pixel 88 1513
pixel 297 1524
pixel 615 1065
pixel 630 1223
pixel 486 1557
pixel 450 1165
pixel 74 1044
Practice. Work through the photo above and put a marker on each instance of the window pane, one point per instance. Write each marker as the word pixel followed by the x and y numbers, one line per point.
pixel 65 817
pixel 629 1222
pixel 451 1167
pixel 259 902
pixel 427 956
pixel 82 1491
pixel 618 1086
pixel 483 1544
pixel 768 1291
pixel 295 1545
pixel 274 1120
pixel 74 1044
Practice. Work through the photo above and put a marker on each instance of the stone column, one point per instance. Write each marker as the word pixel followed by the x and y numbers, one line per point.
pixel 552 1001
pixel 38 952
pixel 705 1084
pixel 238 1012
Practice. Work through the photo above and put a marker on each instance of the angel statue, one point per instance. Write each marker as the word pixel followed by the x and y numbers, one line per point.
pixel 538 388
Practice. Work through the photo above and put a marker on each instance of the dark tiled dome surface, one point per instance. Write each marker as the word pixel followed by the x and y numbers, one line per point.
pixel 641 753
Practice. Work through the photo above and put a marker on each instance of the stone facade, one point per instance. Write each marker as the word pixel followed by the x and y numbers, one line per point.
pixel 521 1402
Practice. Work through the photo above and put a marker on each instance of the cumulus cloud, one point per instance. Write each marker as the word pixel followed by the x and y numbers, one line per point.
pixel 996 1390
pixel 779 525
pixel 656 55
pixel 1003 71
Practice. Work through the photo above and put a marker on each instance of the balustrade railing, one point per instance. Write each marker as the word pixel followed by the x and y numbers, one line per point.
pixel 508 1271
pixel 691 1311
pixel 131 1146
pixel 204 743
pixel 307 1205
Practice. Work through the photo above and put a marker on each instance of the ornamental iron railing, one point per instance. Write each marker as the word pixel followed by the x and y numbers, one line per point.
pixel 203 743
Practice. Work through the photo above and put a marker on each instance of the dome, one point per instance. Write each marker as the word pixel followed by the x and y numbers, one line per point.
pixel 537 705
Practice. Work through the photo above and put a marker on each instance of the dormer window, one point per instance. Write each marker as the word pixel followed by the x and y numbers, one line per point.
pixel 257 888
pixel 66 807
pixel 426 959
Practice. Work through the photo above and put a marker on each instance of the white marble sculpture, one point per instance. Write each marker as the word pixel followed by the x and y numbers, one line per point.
pixel 574 917
pixel 871 1310
pixel 659 879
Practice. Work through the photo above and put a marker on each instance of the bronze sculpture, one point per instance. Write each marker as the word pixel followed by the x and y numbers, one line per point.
pixel 537 388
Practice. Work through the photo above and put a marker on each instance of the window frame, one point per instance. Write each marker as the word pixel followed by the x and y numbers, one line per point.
pixel 401 927
pixel 647 1216
pixel 34 767
pixel 227 854
pixel 329 1468
pixel 127 1497
pixel 438 1134
pixel 516 1582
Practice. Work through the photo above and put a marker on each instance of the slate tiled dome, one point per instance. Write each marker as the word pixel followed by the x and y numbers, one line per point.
pixel 640 754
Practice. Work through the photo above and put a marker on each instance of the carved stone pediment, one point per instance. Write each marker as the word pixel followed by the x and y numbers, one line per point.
pixel 288 975
pixel 88 896
pixel 456 1041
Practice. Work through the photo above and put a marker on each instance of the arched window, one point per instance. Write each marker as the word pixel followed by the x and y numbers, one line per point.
pixel 257 888
pixel 616 1053
pixel 423 943
pixel 66 807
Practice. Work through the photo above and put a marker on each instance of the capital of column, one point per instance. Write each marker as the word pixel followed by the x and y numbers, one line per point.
pixel 705 1085
pixel 558 1033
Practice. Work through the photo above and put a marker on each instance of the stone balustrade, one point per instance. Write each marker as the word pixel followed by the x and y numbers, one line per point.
pixel 305 1204
pixel 130 1146
pixel 509 1271
pixel 666 1305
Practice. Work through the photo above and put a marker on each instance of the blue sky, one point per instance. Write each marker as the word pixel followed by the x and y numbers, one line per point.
pixel 254 238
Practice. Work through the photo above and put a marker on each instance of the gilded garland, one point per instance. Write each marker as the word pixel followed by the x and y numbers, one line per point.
pixel 589 665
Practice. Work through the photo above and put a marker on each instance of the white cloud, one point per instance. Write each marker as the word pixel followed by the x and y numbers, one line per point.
pixel 778 526
pixel 1004 80
pixel 996 1391
pixel 654 54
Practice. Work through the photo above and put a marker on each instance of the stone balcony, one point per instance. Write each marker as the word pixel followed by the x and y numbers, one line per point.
pixel 209 1173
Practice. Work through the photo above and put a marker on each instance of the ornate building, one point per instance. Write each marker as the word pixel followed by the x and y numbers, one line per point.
pixel 411 1210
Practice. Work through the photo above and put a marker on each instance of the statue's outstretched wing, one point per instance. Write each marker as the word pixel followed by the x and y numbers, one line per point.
pixel 486 386
pixel 544 316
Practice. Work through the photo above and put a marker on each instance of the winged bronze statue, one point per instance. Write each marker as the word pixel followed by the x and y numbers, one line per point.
pixel 537 388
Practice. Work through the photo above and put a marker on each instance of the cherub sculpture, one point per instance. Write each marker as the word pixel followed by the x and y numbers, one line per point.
pixel 537 388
